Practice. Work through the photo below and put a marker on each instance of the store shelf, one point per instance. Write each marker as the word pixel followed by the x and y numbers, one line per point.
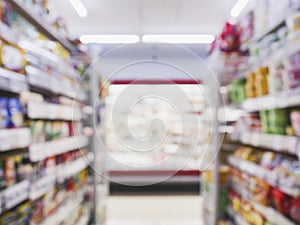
pixel 61 65
pixel 40 151
pixel 279 143
pixel 17 138
pixel 69 170
pixel 42 186
pixel 51 84
pixel 65 211
pixel 14 195
pixel 275 26
pixel 12 82
pixel 40 23
pixel 284 99
pixel 262 173
pixel 49 111
pixel 269 30
pixel 269 213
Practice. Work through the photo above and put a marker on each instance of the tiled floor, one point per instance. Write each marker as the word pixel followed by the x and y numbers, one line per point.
pixel 154 210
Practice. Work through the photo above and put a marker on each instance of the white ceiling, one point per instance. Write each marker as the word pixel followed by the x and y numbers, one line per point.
pixel 147 16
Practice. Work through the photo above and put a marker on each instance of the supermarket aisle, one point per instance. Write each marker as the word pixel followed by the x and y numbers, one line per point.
pixel 154 210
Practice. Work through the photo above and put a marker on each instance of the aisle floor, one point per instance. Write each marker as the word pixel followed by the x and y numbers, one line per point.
pixel 154 210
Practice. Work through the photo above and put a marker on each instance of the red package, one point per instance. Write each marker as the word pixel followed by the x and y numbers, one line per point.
pixel 295 210
pixel 282 202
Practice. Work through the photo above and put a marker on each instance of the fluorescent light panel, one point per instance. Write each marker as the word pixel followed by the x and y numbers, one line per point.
pixel 180 38
pixel 238 7
pixel 109 39
pixel 79 7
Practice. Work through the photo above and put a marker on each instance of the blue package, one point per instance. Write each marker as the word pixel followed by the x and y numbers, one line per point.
pixel 15 111
pixel 4 114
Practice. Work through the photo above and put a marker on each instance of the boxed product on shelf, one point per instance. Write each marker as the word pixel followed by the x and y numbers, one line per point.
pixel 230 38
pixel 295 210
pixel 53 130
pixel 281 201
pixel 12 58
pixel 11 113
pixel 4 119
pixel 238 92
pixel 276 121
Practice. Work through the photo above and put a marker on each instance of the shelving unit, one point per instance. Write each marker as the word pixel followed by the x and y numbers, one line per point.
pixel 279 100
pixel 60 165
pixel 14 195
pixel 275 142
pixel 41 151
pixel 269 213
pixel 267 175
pixel 252 133
pixel 12 82
pixel 42 186
pixel 49 111
pixel 40 24
pixel 44 83
pixel 8 139
pixel 269 30
pixel 65 211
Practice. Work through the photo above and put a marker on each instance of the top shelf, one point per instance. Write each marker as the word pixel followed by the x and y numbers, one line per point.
pixel 271 28
pixel 40 24
pixel 261 35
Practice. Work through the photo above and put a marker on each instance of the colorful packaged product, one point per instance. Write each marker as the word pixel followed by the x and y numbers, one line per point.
pixel 15 110
pixel 282 202
pixel 10 171
pixel 4 114
pixel 12 58
pixel 2 176
pixel 295 119
pixel 295 210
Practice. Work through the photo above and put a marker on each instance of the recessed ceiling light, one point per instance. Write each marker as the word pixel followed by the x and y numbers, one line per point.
pixel 238 7
pixel 109 39
pixel 79 7
pixel 180 38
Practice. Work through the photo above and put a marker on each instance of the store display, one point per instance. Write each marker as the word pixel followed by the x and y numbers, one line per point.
pixel 39 95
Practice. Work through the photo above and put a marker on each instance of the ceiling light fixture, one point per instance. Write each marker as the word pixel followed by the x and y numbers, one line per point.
pixel 180 38
pixel 109 39
pixel 79 7
pixel 238 7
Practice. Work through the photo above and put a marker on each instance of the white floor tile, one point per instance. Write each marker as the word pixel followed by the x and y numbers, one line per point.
pixel 154 210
